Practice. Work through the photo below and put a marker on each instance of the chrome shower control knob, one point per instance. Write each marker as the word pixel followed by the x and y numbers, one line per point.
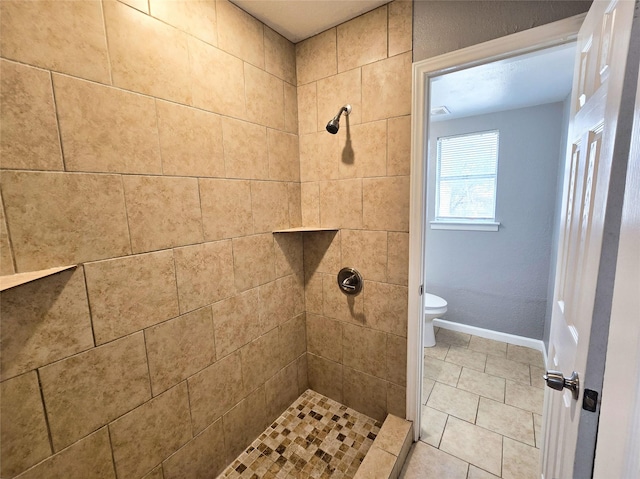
pixel 556 380
pixel 349 281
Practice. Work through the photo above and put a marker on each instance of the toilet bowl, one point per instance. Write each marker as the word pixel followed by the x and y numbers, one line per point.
pixel 434 307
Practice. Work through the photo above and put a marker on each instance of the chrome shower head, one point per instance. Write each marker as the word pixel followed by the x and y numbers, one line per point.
pixel 334 124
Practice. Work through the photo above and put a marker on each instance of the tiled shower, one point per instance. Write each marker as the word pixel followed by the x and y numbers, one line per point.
pixel 157 145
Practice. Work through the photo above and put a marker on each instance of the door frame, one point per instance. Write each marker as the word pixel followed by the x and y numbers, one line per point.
pixel 552 34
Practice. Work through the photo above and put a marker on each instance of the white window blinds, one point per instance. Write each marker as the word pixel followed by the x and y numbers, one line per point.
pixel 467 176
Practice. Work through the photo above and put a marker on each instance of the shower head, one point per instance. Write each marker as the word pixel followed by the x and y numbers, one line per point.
pixel 333 125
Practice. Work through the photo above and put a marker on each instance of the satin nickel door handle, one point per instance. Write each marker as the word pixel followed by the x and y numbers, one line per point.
pixel 556 380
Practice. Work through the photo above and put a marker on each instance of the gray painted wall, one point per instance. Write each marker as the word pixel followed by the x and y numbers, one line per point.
pixel 444 26
pixel 499 280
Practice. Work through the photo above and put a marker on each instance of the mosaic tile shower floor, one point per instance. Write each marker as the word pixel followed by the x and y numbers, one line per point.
pixel 316 437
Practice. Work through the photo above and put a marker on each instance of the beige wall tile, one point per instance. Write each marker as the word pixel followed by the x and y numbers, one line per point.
pixel 217 79
pixel 295 204
pixel 44 321
pixel 290 109
pixel 236 322
pixel 341 204
pixel 398 265
pixel 61 36
pixel 284 160
pixel 303 376
pixel 386 88
pixel 289 254
pixel 270 206
pixel 201 457
pixel 292 335
pixel 244 423
pixel 377 463
pixel 106 129
pixel 196 18
pixel 313 293
pixel 365 251
pixel 364 150
pixel 245 150
pixel 336 91
pixel 190 141
pixel 385 307
pixel 142 5
pixel 325 376
pixel 308 108
pixel 60 229
pixel 226 208
pixel 89 457
pixel 214 390
pixel 324 337
pixel 316 57
pixel 130 294
pixel 28 131
pixel 386 203
pixel 363 40
pixel 281 390
pixel 276 303
pixel 6 253
pixel 253 261
pixel 162 212
pixel 400 26
pixel 147 55
pixel 24 439
pixel 264 97
pixel 319 156
pixel 260 360
pixel 365 349
pixel 399 145
pixel 87 391
pixel 239 33
pixel 204 274
pixel 322 252
pixel 396 400
pixel 279 56
pixel 310 203
pixel 179 348
pixel 336 304
pixel 151 432
pixel 396 359
pixel 366 394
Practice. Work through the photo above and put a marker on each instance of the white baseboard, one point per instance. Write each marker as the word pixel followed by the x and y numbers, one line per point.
pixel 495 335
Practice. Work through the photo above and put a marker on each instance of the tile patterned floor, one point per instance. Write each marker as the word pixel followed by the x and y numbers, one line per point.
pixel 316 437
pixel 481 412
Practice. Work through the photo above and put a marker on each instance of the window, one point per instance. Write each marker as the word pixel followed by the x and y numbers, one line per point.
pixel 466 178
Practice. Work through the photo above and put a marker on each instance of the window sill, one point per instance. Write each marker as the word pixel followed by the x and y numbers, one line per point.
pixel 465 225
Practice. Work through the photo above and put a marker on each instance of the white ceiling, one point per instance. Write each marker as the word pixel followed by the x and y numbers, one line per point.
pixel 300 19
pixel 526 80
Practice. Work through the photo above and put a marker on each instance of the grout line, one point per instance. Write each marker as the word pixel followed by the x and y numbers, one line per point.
pixel 113 458
pixel 146 354
pixel 86 290
pixel 46 413
pixel 14 262
pixel 59 130
pixel 106 41
pixel 126 214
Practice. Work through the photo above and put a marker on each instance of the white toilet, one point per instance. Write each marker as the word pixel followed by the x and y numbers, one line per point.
pixel 434 307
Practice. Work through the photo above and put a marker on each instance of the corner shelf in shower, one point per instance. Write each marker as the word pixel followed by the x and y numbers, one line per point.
pixel 305 229
pixel 13 280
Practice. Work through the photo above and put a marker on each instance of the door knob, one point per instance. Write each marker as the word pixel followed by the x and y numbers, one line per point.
pixel 555 380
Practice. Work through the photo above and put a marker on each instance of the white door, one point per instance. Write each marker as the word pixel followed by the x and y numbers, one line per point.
pixel 600 66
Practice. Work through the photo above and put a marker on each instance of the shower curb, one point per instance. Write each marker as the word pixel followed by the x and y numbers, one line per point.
pixel 387 454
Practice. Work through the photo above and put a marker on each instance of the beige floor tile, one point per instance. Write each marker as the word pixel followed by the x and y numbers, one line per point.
pixel 525 355
pixel 439 351
pixel 473 444
pixel 508 369
pixel 453 338
pixel 537 427
pixel 506 420
pixel 427 387
pixel 482 384
pixel 432 425
pixel 426 461
pixel 488 346
pixel 458 403
pixel 536 376
pixel 447 373
pixel 477 473
pixel 466 358
pixel 524 397
pixel 519 461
